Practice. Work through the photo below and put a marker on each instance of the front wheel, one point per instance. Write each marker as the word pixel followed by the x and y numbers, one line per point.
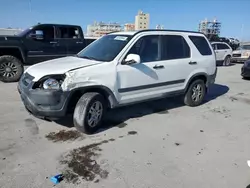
pixel 195 93
pixel 89 112
pixel 11 68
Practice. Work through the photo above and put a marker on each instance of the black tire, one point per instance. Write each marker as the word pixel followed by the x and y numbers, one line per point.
pixel 188 100
pixel 81 112
pixel 11 68
pixel 227 61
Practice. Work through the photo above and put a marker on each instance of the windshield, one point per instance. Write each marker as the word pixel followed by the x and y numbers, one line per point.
pixel 24 32
pixel 105 48
pixel 244 47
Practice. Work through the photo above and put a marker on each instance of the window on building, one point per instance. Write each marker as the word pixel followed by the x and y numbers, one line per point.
pixel 148 47
pixel 174 47
pixel 222 46
pixel 201 44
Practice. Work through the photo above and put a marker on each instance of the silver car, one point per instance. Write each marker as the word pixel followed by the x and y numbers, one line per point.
pixel 242 53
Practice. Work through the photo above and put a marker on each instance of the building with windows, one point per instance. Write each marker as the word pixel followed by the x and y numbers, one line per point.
pixel 141 21
pixel 129 27
pixel 210 28
pixel 98 29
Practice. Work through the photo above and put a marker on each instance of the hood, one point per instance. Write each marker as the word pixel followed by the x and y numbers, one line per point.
pixel 58 66
pixel 240 51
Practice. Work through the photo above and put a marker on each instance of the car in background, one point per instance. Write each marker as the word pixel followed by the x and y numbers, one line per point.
pixel 245 70
pixel 234 41
pixel 223 53
pixel 241 54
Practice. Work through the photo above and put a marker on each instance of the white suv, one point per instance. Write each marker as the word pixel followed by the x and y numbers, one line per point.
pixel 120 69
pixel 223 53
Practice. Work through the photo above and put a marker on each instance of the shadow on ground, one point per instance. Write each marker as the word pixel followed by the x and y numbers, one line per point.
pixel 118 116
pixel 221 65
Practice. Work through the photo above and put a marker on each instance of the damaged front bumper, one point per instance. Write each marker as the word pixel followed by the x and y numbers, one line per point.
pixel 40 102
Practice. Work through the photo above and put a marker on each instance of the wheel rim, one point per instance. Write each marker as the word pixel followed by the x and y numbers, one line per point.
pixel 95 113
pixel 197 93
pixel 8 69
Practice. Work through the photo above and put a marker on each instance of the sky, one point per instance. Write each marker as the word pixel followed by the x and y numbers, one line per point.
pixel 173 14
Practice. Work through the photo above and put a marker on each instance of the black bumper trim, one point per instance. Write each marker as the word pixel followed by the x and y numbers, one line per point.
pixel 43 103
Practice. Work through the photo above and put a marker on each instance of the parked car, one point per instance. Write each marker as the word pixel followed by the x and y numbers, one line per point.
pixel 36 44
pixel 245 70
pixel 223 53
pixel 242 53
pixel 119 69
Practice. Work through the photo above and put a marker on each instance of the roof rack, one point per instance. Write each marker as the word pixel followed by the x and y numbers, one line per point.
pixel 169 30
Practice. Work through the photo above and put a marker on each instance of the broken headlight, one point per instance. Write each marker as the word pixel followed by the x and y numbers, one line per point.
pixel 50 82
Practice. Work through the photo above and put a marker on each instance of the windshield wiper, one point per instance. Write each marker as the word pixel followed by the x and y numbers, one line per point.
pixel 87 57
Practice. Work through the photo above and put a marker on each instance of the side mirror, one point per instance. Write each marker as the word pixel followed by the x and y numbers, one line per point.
pixel 37 35
pixel 131 59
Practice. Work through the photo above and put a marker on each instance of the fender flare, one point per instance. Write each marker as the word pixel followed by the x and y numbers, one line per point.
pixel 15 47
pixel 192 78
pixel 108 94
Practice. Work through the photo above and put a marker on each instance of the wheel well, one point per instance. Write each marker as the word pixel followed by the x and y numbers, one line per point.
pixel 78 93
pixel 198 77
pixel 11 51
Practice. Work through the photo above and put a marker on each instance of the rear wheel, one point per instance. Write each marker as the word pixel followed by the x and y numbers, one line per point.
pixel 89 112
pixel 227 61
pixel 11 68
pixel 195 93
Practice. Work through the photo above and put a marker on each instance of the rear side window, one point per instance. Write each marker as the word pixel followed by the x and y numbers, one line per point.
pixel 174 47
pixel 68 32
pixel 201 44
pixel 222 46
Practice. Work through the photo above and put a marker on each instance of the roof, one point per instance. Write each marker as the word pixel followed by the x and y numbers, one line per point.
pixel 149 30
pixel 51 24
pixel 218 42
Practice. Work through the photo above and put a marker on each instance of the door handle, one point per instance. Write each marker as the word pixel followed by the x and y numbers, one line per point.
pixel 158 67
pixel 192 63
pixel 53 42
pixel 79 42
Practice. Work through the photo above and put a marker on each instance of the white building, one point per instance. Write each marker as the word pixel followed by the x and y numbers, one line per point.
pixel 98 29
pixel 159 27
pixel 141 21
pixel 129 27
pixel 9 31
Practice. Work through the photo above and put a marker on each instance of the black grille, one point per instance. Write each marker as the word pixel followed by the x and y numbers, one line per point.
pixel 27 79
pixel 236 55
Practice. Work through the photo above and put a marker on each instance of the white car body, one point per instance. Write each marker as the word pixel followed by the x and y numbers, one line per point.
pixel 122 84
pixel 222 50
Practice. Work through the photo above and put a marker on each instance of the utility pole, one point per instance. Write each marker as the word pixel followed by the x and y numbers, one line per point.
pixel 30 11
pixel 241 33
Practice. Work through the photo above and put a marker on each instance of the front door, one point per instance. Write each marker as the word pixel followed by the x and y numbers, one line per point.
pixel 40 49
pixel 165 64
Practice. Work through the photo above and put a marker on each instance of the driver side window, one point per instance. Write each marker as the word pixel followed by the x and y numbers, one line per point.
pixel 46 31
pixel 148 48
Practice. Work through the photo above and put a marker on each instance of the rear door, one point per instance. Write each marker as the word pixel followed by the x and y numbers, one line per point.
pixel 176 58
pixel 222 50
pixel 70 39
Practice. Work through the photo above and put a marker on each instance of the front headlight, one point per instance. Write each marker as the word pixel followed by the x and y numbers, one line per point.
pixel 246 54
pixel 50 82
